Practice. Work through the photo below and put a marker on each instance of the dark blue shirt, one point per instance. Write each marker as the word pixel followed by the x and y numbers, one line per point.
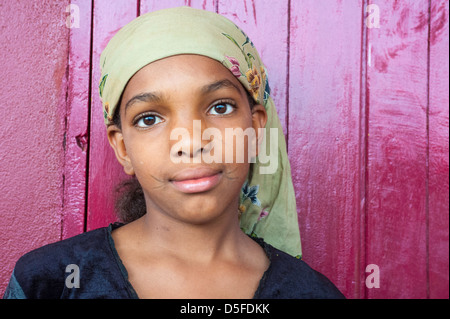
pixel 96 271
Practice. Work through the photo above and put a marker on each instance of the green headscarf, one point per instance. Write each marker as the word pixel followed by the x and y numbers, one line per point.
pixel 267 203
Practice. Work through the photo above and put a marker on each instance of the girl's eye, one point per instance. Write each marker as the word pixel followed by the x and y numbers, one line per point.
pixel 147 121
pixel 222 109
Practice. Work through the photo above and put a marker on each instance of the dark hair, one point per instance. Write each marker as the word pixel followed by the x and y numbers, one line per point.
pixel 130 200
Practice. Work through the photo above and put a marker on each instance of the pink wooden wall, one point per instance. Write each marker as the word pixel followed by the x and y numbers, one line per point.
pixel 33 81
pixel 362 92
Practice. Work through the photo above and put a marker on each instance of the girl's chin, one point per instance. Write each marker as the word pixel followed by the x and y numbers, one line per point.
pixel 202 211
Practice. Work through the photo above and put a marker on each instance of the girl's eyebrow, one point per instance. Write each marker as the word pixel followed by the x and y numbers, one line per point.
pixel 219 85
pixel 155 98
pixel 143 97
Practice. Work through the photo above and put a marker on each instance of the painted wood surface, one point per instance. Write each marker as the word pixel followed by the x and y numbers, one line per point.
pixel 361 88
pixel 397 139
pixel 324 141
pixel 33 69
pixel 438 150
pixel 77 119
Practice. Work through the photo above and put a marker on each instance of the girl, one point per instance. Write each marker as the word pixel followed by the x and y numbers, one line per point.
pixel 192 227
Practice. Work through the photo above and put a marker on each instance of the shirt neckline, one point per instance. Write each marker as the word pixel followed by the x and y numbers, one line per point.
pixel 266 247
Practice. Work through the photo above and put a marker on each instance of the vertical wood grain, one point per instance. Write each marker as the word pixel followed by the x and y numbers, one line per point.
pixel 266 24
pixel 77 120
pixel 104 170
pixel 397 104
pixel 439 150
pixel 324 126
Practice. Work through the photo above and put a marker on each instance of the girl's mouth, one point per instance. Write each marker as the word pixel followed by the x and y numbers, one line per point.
pixel 196 180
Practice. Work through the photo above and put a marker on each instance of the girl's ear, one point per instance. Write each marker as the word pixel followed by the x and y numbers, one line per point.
pixel 116 141
pixel 259 120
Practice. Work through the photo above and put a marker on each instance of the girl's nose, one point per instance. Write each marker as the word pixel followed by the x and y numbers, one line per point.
pixel 187 143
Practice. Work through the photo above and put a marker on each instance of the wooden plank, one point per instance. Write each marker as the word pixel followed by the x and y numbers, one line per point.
pixel 439 151
pixel 397 101
pixel 104 170
pixel 269 35
pixel 77 119
pixel 324 128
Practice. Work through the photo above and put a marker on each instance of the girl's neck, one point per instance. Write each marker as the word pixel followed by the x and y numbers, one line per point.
pixel 221 238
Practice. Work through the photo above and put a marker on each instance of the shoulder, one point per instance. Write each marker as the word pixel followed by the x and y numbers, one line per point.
pixel 64 250
pixel 42 273
pixel 292 278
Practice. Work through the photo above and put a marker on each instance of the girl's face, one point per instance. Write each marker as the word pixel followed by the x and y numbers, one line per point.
pixel 165 98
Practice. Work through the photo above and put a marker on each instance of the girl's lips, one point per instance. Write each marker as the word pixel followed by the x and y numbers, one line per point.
pixel 196 181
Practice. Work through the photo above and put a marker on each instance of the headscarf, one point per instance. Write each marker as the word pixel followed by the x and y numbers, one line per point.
pixel 267 201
